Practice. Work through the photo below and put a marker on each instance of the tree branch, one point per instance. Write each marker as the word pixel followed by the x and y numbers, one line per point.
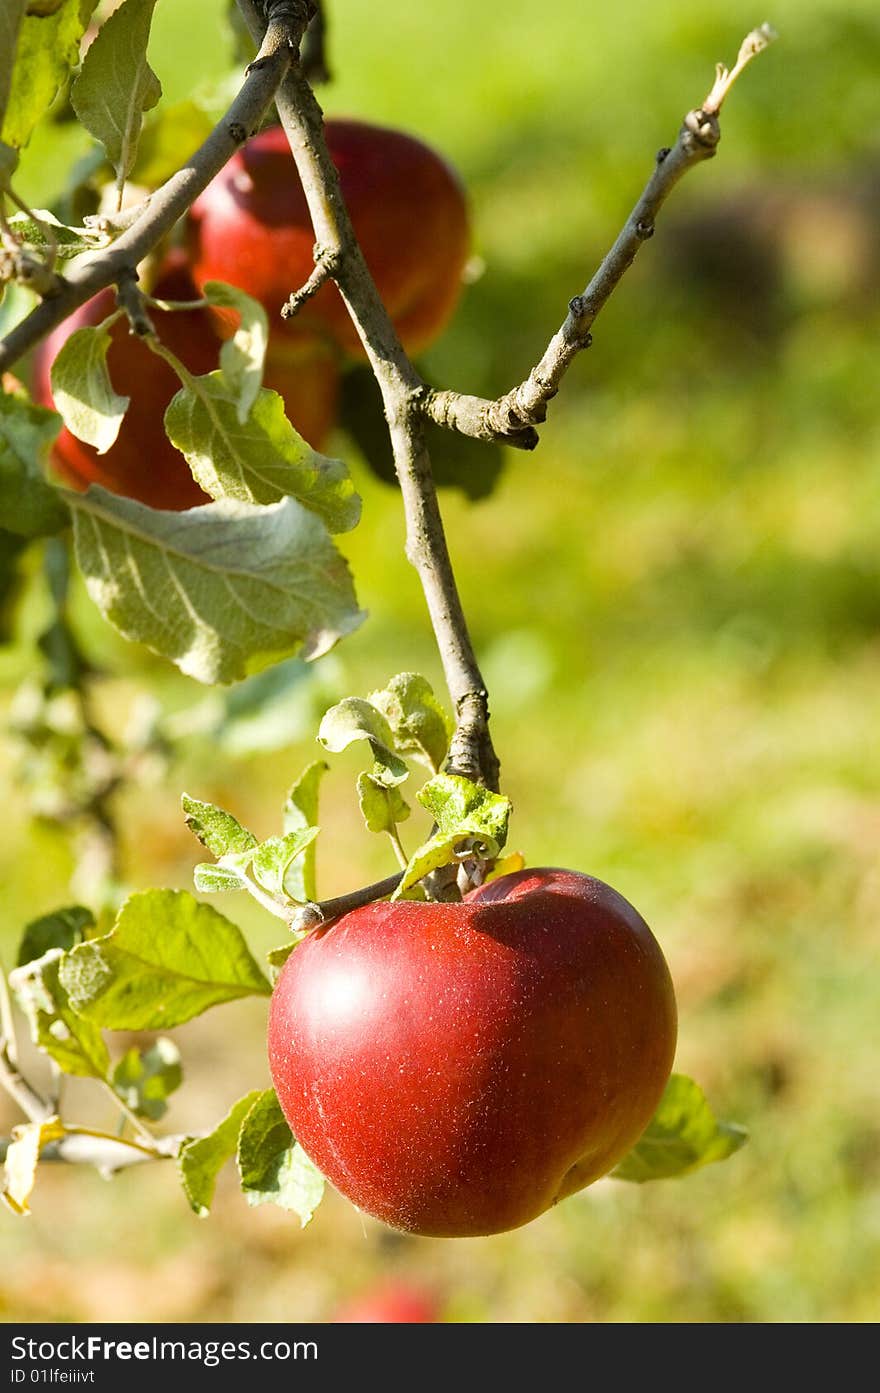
pixel 471 752
pixel 160 212
pixel 513 417
pixel 84 1146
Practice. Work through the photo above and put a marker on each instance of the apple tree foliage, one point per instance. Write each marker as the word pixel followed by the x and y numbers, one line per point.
pixel 226 592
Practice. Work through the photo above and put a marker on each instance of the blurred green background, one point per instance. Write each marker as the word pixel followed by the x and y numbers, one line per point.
pixel 676 600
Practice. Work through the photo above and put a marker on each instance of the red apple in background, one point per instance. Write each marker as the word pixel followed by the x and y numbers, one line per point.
pixel 390 1303
pixel 251 227
pixel 142 463
pixel 455 1069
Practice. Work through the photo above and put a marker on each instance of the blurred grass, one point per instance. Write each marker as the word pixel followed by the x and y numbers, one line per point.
pixel 677 602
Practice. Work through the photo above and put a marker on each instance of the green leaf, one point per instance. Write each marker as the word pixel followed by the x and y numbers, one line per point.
pixel 242 356
pixel 240 586
pixel 273 1167
pixel 382 806
pixel 470 819
pixel 12 581
pixel 200 1161
pixel 29 505
pixel 8 165
pixel 42 231
pixel 11 16
pixel 167 959
pixel 260 460
pixel 82 390
pixel 169 136
pixel 457 805
pixel 216 880
pixel 145 1079
pixel 355 719
pixel 216 829
pixel 116 84
pixel 300 812
pixel 75 1044
pixel 22 1157
pixel 48 47
pixel 457 461
pixel 274 857
pixel 418 722
pixel 62 929
pixel 277 957
pixel 683 1135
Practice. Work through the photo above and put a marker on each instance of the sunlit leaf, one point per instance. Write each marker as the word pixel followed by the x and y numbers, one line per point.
pixel 273 1167
pixel 683 1135
pixel 240 586
pixel 167 959
pixel 116 84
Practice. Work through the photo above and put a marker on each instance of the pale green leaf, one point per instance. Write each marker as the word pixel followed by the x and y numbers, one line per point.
pixel 355 719
pixel 419 724
pixel 382 806
pixel 48 47
pixel 167 959
pixel 216 880
pixel 223 590
pixel 82 390
pixel 29 506
pixel 76 1045
pixel 260 460
pixel 300 812
pixel 683 1135
pixel 241 357
pixel 273 1167
pixel 200 1160
pixel 42 231
pixel 22 1157
pixel 116 84
pixel 470 809
pixel 216 829
pixel 145 1079
pixel 471 820
pixel 274 857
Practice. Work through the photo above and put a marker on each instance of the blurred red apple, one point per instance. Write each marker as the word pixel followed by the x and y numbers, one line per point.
pixel 142 463
pixel 251 227
pixel 389 1303
pixel 455 1069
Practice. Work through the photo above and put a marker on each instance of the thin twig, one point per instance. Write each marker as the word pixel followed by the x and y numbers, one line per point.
pixel 143 1134
pixel 513 417
pixel 86 1146
pixel 325 268
pixel 32 1104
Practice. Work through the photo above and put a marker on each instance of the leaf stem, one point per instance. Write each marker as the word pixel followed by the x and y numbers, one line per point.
pixel 145 1136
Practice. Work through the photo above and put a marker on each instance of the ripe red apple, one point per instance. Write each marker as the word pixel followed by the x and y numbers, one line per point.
pixel 251 227
pixel 142 463
pixel 455 1069
pixel 389 1303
